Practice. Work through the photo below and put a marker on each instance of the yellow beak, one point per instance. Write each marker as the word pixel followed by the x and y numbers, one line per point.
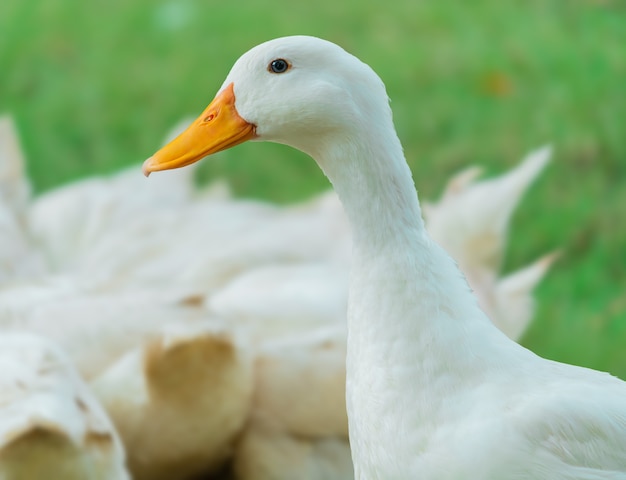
pixel 219 127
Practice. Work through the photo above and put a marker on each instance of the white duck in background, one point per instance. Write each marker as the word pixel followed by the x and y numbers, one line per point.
pixel 51 425
pixel 94 329
pixel 180 400
pixel 284 299
pixel 140 349
pixel 508 301
pixel 68 222
pixel 471 220
pixel 298 426
pixel 434 389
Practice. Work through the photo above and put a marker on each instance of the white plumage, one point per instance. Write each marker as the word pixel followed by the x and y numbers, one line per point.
pixel 180 400
pixel 298 426
pixel 51 425
pixel 471 219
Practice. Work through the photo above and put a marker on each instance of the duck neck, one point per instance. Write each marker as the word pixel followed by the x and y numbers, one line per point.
pixel 416 333
pixel 394 259
pixel 376 188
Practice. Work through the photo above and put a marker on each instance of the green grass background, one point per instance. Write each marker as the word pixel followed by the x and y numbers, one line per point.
pixel 94 85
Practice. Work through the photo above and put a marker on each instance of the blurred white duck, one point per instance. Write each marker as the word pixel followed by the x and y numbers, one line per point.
pixel 95 329
pixel 69 220
pixel 51 426
pixel 434 389
pixel 179 401
pixel 508 301
pixel 298 426
pixel 118 240
pixel 152 258
pixel 471 219
pixel 283 299
pixel 139 348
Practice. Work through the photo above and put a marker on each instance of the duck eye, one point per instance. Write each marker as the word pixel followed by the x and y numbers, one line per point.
pixel 278 66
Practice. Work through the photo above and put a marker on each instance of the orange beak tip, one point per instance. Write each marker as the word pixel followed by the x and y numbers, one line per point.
pixel 145 168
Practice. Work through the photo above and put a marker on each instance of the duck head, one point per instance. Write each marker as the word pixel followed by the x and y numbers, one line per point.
pixel 301 91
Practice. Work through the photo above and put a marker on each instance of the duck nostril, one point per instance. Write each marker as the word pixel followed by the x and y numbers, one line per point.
pixel 210 117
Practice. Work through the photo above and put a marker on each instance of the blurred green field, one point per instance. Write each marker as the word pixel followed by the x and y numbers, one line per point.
pixel 95 85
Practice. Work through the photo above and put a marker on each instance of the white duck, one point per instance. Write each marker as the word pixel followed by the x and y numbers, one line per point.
pixel 68 221
pixel 298 426
pixel 434 389
pixel 179 401
pixel 471 219
pixel 139 348
pixel 282 299
pixel 508 300
pixel 51 426
pixel 95 329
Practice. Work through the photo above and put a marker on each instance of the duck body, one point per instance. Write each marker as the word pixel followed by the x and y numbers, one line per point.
pixel 425 365
pixel 487 406
pixel 434 389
